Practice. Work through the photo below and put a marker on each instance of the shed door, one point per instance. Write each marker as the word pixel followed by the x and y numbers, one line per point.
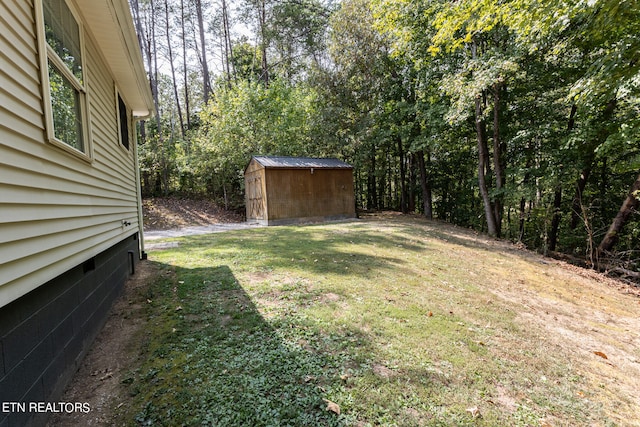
pixel 255 198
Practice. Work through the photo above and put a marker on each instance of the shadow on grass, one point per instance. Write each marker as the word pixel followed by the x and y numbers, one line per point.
pixel 212 359
pixel 412 225
pixel 309 248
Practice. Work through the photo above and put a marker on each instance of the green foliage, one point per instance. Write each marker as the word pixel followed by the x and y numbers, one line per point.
pixel 248 119
pixel 570 72
pixel 67 110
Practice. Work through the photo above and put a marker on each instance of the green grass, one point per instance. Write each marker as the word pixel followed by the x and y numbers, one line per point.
pixel 393 320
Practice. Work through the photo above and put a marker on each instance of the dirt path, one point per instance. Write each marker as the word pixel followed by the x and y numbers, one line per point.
pixel 152 235
pixel 111 356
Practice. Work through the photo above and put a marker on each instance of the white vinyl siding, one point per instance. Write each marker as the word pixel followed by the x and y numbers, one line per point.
pixel 19 74
pixel 56 210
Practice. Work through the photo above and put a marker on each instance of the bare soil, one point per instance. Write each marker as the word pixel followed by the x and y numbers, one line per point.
pixel 595 318
pixel 113 353
pixel 169 213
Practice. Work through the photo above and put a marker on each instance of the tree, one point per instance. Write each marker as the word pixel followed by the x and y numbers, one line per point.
pixel 630 204
pixel 247 119
pixel 206 78
pixel 173 70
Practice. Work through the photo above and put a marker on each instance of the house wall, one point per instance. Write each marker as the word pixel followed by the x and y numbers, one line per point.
pixel 56 210
pixel 305 194
pixel 45 334
pixel 68 225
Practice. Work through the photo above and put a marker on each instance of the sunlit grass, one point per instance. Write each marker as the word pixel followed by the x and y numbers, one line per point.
pixel 393 320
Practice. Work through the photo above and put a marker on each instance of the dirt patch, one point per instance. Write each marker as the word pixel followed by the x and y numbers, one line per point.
pixel 167 213
pixel 98 381
pixel 383 372
pixel 330 297
pixel 593 318
pixel 174 217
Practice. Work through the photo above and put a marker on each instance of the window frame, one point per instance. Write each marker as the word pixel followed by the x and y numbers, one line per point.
pixel 48 57
pixel 128 121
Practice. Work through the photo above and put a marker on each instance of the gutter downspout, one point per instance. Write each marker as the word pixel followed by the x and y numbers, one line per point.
pixel 143 254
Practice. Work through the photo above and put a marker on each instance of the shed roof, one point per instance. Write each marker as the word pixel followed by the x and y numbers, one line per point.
pixel 300 162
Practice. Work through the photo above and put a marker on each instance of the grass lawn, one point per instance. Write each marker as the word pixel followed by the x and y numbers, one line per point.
pixel 390 321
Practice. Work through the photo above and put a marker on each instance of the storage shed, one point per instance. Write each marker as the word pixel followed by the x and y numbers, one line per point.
pixel 285 190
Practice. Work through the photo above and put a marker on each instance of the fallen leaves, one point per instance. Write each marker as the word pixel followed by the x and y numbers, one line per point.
pixel 332 406
pixel 164 213
pixel 104 374
pixel 474 411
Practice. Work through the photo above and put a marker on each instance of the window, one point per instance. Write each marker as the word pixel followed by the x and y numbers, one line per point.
pixel 66 109
pixel 123 120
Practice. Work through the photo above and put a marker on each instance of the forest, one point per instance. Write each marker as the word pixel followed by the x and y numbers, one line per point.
pixel 516 118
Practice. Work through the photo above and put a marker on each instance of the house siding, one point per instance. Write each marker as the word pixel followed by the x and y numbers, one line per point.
pixel 45 334
pixel 56 210
pixel 19 76
pixel 65 250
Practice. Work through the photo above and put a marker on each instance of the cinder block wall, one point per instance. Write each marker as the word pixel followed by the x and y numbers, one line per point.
pixel 45 334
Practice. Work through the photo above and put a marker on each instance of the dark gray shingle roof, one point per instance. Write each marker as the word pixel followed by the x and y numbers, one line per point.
pixel 300 162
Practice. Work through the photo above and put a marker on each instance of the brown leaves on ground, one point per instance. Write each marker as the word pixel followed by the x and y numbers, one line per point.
pixel 166 213
pixel 332 406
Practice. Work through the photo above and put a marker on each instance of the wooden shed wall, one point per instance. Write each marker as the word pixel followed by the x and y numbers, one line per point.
pixel 301 193
pixel 56 210
pixel 255 192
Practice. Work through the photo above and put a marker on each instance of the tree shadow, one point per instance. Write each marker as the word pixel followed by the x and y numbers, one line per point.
pixel 316 251
pixel 449 233
pixel 212 359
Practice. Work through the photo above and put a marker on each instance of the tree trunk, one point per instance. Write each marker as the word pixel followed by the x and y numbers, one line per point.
pixel 427 200
pixel 483 158
pixel 372 190
pixel 498 159
pixel 173 70
pixel 590 149
pixel 163 182
pixel 228 49
pixel 403 177
pixel 555 222
pixel 603 187
pixel 206 79
pixel 576 204
pixel 262 20
pixel 184 68
pixel 523 204
pixel 630 204
pixel 557 199
pixel 411 183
